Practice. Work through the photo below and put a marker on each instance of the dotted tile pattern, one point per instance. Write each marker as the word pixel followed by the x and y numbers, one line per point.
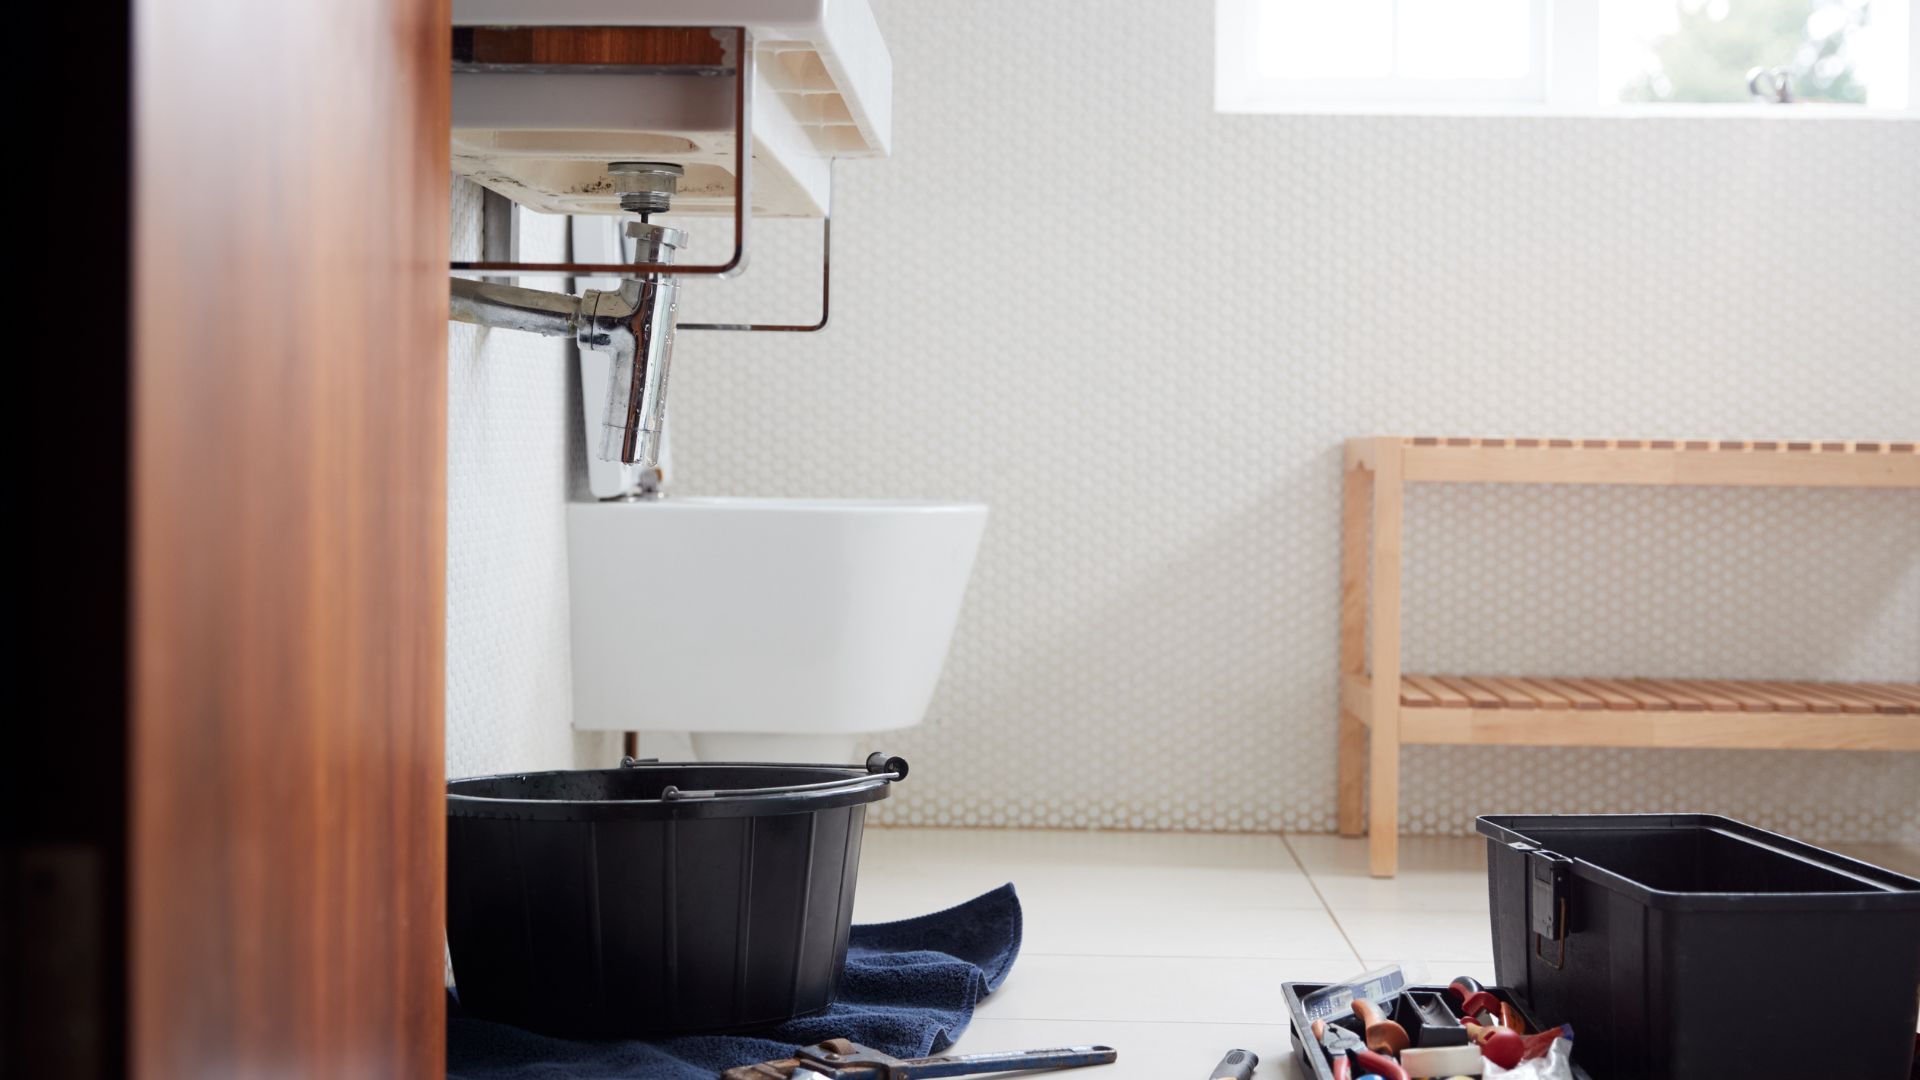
pixel 1734 583
pixel 1141 331
pixel 511 413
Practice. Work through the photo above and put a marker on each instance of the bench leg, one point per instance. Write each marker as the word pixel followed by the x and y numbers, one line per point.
pixel 1383 790
pixel 1353 775
pixel 1383 604
pixel 1355 524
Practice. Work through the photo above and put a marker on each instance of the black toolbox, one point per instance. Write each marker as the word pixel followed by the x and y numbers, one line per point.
pixel 1690 945
pixel 1314 1062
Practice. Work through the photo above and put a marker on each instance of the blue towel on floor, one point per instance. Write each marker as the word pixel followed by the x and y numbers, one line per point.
pixel 909 990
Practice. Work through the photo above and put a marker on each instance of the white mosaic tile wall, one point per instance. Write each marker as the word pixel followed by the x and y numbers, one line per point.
pixel 510 418
pixel 1140 331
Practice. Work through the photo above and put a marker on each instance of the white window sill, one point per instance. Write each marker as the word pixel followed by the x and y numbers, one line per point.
pixel 1721 111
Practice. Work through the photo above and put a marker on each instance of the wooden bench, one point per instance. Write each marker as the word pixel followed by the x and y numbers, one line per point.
pixel 1382 707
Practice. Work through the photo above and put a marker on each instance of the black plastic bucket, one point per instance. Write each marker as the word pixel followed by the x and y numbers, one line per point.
pixel 655 898
pixel 1689 945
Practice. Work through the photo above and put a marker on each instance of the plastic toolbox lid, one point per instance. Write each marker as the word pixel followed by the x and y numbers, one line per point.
pixel 1812 878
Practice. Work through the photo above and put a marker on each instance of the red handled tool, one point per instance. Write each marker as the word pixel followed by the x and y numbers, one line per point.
pixel 1464 987
pixel 1334 1039
pixel 1483 1007
pixel 1339 1042
pixel 1383 1035
pixel 1504 1047
pixel 1380 1064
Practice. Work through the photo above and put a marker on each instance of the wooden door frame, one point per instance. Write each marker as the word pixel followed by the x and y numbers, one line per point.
pixel 254 462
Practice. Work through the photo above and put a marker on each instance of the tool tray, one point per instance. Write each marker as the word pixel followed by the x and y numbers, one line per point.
pixel 1314 1061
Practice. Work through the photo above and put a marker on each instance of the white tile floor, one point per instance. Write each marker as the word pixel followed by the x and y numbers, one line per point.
pixel 1172 946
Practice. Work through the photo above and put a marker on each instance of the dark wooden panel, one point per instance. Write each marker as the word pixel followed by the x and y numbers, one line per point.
pixel 289 407
pixel 568 46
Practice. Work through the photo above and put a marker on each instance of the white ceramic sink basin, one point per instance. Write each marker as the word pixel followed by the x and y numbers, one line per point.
pixel 777 617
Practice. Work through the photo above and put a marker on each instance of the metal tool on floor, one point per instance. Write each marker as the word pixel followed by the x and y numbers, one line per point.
pixel 844 1059
pixel 1237 1065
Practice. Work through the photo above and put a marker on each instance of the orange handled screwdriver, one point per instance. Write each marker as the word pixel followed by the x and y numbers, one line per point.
pixel 1383 1035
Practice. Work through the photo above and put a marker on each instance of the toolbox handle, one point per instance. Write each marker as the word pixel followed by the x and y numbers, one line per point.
pixel 1548 877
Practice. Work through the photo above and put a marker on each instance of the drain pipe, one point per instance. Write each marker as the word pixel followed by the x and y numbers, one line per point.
pixel 510 307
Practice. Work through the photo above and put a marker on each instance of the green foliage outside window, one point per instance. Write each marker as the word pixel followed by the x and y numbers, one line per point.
pixel 1719 41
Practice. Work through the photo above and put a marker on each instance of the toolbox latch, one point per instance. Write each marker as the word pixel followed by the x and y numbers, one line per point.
pixel 1549 875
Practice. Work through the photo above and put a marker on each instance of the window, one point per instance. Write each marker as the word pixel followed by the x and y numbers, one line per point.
pixel 1563 55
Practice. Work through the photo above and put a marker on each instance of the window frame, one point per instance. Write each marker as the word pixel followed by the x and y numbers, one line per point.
pixel 1564 77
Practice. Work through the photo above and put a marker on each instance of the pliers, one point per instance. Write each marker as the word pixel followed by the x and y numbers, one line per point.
pixel 1338 1042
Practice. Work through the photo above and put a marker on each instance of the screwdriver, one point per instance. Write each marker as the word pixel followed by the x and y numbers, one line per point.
pixel 1237 1065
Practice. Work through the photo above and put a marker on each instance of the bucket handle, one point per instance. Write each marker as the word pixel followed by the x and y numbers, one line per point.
pixel 881 769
